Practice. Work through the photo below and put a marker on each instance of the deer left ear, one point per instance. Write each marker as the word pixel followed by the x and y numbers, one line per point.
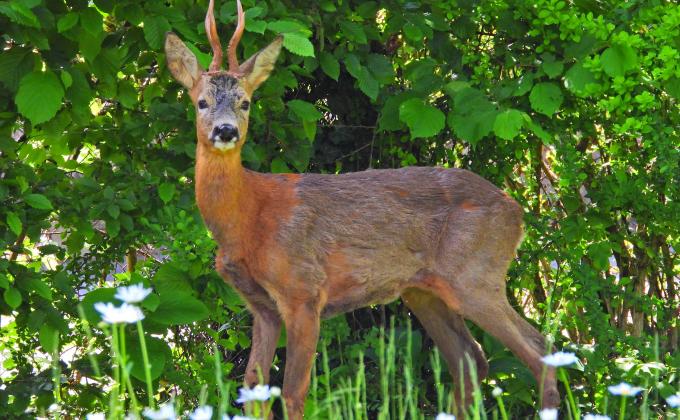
pixel 258 67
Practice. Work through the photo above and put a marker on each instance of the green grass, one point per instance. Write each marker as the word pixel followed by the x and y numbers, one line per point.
pixel 389 389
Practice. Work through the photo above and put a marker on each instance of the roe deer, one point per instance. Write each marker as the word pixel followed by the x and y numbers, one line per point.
pixel 301 247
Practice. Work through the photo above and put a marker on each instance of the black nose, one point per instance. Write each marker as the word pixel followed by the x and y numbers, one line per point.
pixel 225 132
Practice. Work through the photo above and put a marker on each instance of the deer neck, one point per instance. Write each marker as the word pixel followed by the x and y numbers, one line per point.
pixel 222 194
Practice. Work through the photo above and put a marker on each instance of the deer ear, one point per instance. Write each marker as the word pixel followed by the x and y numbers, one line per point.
pixel 257 68
pixel 181 61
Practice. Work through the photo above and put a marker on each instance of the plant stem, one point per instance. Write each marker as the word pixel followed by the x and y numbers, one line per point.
pixel 56 373
pixel 147 367
pixel 501 407
pixel 113 401
pixel 574 409
pixel 90 341
pixel 126 373
pixel 622 411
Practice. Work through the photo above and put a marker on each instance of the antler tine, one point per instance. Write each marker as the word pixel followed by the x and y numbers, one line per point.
pixel 233 42
pixel 211 30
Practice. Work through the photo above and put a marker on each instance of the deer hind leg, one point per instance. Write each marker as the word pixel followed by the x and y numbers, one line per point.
pixel 453 339
pixel 500 320
pixel 488 307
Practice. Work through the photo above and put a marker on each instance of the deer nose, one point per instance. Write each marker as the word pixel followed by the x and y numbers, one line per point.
pixel 225 132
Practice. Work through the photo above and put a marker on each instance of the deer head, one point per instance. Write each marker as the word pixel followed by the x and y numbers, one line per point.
pixel 222 98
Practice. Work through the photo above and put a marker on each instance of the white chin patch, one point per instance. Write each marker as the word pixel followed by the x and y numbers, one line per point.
pixel 225 145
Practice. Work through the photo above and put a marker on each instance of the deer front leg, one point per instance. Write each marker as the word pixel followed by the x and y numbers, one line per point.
pixel 302 328
pixel 266 331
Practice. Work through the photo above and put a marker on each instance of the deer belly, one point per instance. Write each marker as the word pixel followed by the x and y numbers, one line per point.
pixel 353 283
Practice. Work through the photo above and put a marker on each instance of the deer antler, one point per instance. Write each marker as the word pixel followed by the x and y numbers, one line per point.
pixel 233 42
pixel 213 38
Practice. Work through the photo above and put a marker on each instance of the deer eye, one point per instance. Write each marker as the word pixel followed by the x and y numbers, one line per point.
pixel 202 104
pixel 245 105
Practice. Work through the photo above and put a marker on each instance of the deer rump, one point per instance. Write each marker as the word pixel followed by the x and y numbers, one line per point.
pixel 361 238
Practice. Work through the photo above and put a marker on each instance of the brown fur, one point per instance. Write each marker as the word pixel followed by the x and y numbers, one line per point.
pixel 299 247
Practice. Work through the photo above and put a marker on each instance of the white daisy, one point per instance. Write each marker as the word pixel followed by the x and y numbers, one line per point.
pixel 596 417
pixel 132 294
pixel 624 389
pixel 548 414
pixel 674 400
pixel 560 359
pixel 257 393
pixel 165 412
pixel 126 313
pixel 203 412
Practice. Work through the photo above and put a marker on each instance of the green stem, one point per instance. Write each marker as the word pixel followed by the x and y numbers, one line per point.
pixel 574 409
pixel 56 374
pixel 126 373
pixel 622 411
pixel 218 379
pixel 113 401
pixel 147 367
pixel 501 407
pixel 90 342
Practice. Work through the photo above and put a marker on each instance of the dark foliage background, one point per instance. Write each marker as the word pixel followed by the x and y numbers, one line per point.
pixel 570 106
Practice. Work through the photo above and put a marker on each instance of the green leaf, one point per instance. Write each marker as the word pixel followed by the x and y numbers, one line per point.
pixel 353 31
pixel 304 110
pixel 171 278
pixel 14 64
pixel 166 191
pixel 279 166
pixel 413 32
pixel 353 65
pixel 127 94
pixel 19 13
pixel 179 308
pixel 508 123
pixel 380 67
pixel 4 282
pixel 12 297
pixel 389 114
pixel 48 337
pixel 66 78
pixel 546 98
pixel 40 287
pixel 256 26
pixel 423 120
pixel 113 210
pixel 158 352
pixel 39 96
pixel 67 22
pixel 618 59
pixel 112 227
pixel 91 20
pixel 38 201
pixel 473 115
pixel 368 84
pixel 551 67
pixel 155 28
pixel 14 223
pixel 298 44
pixel 286 26
pixel 329 65
pixel 577 78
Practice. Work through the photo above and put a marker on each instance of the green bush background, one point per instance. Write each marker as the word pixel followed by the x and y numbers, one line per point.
pixel 571 107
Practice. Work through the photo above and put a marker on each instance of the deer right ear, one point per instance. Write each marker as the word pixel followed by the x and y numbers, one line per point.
pixel 181 61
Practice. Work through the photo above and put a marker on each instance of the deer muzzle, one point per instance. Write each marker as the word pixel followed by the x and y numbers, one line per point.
pixel 224 136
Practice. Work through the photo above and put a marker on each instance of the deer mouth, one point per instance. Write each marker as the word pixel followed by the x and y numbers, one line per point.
pixel 220 144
